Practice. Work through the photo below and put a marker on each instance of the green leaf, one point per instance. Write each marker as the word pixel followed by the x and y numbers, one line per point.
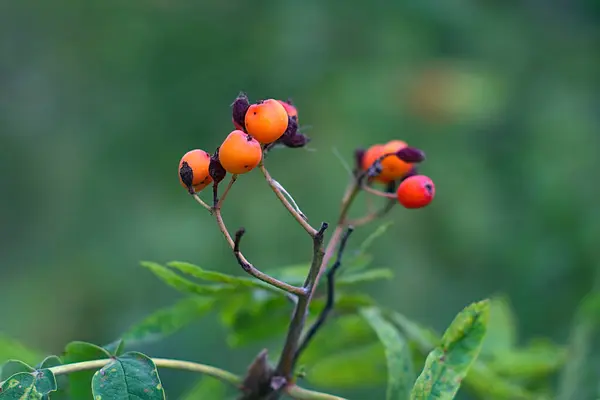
pixel 49 362
pixel 62 381
pixel 399 364
pixel 292 274
pixel 212 276
pixel 28 385
pixel 13 349
pixel 502 332
pixel 206 388
pixel 579 378
pixel 185 285
pixel 447 365
pixel 12 367
pixel 169 320
pixel 350 331
pixel 356 367
pixel 130 376
pixel 79 382
pixel 366 276
pixel 425 338
pixel 537 360
pixel 115 348
pixel 380 231
pixel 487 384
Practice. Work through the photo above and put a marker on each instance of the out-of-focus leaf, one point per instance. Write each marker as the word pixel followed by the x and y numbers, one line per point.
pixel 218 277
pixel 292 274
pixel 259 320
pixel 377 233
pixel 579 378
pixel 401 376
pixel 344 303
pixel 12 367
pixel 366 276
pixel 206 388
pixel 28 385
pixel 350 331
pixel 130 376
pixel 487 384
pixel 502 332
pixel 448 364
pixel 537 360
pixel 80 382
pixel 355 367
pixel 424 338
pixel 185 285
pixel 169 320
pixel 13 349
pixel 115 348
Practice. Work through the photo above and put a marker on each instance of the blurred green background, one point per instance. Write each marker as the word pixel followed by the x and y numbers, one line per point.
pixel 99 100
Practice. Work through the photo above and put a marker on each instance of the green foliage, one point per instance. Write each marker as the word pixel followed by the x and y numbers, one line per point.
pixel 79 382
pixel 502 330
pixel 28 385
pixel 12 367
pixel 579 379
pixel 169 320
pixel 206 388
pixel 399 365
pixel 130 376
pixel 13 349
pixel 448 364
pixel 115 348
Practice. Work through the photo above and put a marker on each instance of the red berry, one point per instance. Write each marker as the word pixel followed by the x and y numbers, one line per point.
pixel 416 191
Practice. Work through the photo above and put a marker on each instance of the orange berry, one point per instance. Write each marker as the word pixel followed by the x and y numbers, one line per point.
pixel 416 191
pixel 266 121
pixel 392 167
pixel 369 157
pixel 239 153
pixel 193 170
pixel 290 109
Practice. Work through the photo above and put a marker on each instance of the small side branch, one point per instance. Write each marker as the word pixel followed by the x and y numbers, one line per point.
pixel 249 268
pixel 316 326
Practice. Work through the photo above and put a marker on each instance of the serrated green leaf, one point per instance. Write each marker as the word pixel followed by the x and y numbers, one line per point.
pixel 13 349
pixel 447 365
pixel 79 382
pixel 350 331
pixel 579 378
pixel 425 338
pixel 11 367
pixel 501 334
pixel 401 376
pixel 168 320
pixel 218 277
pixel 28 385
pixel 206 388
pixel 115 348
pixel 366 276
pixel 130 376
pixel 357 367
pixel 185 285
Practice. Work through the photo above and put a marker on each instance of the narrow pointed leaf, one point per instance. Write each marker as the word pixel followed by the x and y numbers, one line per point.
pixel 182 284
pixel 130 376
pixel 401 376
pixel 366 276
pixel 169 320
pixel 115 348
pixel 79 382
pixel 502 331
pixel 28 385
pixel 425 338
pixel 218 277
pixel 580 376
pixel 487 384
pixel 448 364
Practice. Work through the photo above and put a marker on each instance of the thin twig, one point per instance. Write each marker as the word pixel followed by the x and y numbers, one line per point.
pixel 247 266
pixel 286 360
pixel 307 227
pixel 372 216
pixel 290 198
pixel 379 193
pixel 224 195
pixel 201 202
pixel 312 331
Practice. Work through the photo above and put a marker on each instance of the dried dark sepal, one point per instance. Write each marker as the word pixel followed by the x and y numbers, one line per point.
pixel 411 155
pixel 215 169
pixel 292 127
pixel 258 379
pixel 413 171
pixel 187 176
pixel 375 169
pixel 239 108
pixel 359 155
